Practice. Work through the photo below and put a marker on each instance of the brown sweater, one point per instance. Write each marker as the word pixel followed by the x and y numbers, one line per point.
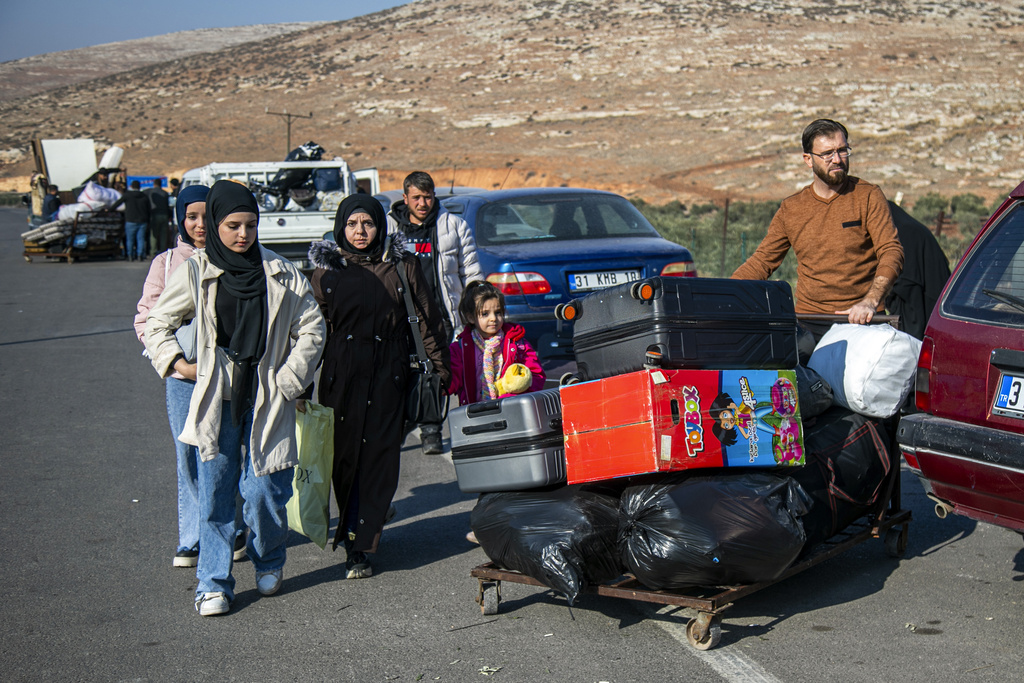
pixel 841 245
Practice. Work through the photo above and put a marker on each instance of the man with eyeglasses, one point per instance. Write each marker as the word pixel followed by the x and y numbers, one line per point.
pixel 847 250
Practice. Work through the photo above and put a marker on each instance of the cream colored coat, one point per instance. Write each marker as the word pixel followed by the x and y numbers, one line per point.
pixel 294 343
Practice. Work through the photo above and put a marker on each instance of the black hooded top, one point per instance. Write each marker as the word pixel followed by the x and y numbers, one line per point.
pixel 242 294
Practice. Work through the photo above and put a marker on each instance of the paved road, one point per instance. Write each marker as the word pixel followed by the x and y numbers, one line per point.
pixel 87 531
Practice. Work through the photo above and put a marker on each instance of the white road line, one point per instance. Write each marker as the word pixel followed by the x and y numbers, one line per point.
pixel 730 665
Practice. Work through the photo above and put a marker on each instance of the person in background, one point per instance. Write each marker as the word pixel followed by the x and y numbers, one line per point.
pixel 36 196
pixel 51 203
pixel 190 212
pixel 175 187
pixel 366 369
pixel 136 221
pixel 491 358
pixel 847 250
pixel 259 338
pixel 447 252
pixel 159 216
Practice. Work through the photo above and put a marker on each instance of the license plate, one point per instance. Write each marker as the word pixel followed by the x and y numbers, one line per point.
pixel 584 282
pixel 1010 397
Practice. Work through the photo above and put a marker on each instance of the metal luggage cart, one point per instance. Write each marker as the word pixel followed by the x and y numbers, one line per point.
pixel 888 521
pixel 705 630
pixel 93 235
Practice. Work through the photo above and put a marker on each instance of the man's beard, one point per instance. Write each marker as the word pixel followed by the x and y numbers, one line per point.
pixel 835 179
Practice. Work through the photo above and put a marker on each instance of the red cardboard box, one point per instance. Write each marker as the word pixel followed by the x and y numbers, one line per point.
pixel 668 420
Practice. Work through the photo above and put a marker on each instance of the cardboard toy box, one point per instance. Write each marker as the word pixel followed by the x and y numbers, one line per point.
pixel 669 420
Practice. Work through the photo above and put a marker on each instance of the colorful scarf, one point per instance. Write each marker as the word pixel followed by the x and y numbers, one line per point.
pixel 490 365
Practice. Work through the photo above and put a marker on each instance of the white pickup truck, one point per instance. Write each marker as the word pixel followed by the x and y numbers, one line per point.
pixel 289 230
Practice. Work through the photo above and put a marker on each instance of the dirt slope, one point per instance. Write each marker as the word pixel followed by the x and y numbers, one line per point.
pixel 657 99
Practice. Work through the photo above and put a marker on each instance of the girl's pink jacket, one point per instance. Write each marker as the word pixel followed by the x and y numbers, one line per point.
pixel 465 361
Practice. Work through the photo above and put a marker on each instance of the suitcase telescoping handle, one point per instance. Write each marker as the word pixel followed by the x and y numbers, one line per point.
pixel 498 426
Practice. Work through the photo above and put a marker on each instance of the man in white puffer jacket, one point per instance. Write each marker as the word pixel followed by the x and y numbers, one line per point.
pixel 446 246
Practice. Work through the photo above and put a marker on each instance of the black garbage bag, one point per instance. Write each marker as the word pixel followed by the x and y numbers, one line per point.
pixel 847 463
pixel 289 178
pixel 564 538
pixel 714 530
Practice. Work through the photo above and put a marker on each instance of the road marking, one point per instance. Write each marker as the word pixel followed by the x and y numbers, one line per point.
pixel 730 665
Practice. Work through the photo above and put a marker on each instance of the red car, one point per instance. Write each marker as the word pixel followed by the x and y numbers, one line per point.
pixel 967 443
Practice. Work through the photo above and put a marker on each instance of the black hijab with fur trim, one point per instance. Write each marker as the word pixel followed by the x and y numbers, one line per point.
pixel 361 203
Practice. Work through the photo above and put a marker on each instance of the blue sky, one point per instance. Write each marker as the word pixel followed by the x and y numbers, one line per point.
pixel 32 28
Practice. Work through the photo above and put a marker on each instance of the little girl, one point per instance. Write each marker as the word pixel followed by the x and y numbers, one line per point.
pixel 491 358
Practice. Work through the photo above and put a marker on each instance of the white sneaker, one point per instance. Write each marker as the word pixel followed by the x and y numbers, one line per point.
pixel 267 583
pixel 210 604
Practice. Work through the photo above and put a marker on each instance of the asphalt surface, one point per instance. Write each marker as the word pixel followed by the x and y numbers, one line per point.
pixel 88 529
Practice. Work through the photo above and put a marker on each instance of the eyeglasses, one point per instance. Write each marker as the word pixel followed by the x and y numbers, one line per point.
pixel 843 152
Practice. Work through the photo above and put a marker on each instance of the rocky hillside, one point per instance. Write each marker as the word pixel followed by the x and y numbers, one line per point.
pixel 658 99
pixel 23 77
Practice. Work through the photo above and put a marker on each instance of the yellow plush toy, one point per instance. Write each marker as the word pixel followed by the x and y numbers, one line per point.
pixel 516 380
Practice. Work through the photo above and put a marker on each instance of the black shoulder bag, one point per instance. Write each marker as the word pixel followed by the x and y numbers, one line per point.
pixel 427 402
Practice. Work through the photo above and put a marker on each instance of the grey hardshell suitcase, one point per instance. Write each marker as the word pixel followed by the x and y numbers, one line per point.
pixel 509 444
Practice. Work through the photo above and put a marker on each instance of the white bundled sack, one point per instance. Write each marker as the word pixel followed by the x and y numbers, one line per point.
pixel 870 368
pixel 67 212
pixel 97 196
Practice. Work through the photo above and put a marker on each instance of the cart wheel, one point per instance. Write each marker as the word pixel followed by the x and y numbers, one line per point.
pixel 712 638
pixel 567 379
pixel 28 259
pixel 896 541
pixel 489 598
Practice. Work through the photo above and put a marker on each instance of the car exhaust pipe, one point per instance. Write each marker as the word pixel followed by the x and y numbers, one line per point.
pixel 942 508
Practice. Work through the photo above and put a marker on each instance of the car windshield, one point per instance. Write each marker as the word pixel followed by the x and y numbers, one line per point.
pixel 559 217
pixel 990 286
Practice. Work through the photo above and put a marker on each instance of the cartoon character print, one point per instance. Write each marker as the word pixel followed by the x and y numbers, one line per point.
pixel 730 418
pixel 786 445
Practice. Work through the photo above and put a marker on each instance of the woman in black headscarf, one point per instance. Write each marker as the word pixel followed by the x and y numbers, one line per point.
pixel 366 365
pixel 258 340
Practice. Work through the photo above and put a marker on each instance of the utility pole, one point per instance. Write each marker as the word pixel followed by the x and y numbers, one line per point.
pixel 288 120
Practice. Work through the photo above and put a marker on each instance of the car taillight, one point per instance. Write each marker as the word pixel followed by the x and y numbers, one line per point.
pixel 922 395
pixel 680 269
pixel 911 459
pixel 519 284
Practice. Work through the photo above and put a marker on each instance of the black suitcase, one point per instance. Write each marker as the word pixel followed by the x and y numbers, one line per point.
pixel 696 323
pixel 509 444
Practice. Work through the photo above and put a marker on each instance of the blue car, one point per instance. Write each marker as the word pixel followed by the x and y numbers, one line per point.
pixel 545 246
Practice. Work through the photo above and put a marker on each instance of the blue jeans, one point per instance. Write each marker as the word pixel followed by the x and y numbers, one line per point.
pixel 135 237
pixel 179 393
pixel 264 498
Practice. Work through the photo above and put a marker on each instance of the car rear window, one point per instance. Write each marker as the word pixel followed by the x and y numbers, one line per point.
pixel 562 217
pixel 990 286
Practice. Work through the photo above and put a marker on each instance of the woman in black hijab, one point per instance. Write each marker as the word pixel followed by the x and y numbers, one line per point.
pixel 258 340
pixel 366 364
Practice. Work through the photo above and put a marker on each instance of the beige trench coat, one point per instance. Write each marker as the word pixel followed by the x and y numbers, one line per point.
pixel 294 343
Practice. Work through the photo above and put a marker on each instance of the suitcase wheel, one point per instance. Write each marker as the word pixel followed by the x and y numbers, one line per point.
pixel 567 379
pixel 569 311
